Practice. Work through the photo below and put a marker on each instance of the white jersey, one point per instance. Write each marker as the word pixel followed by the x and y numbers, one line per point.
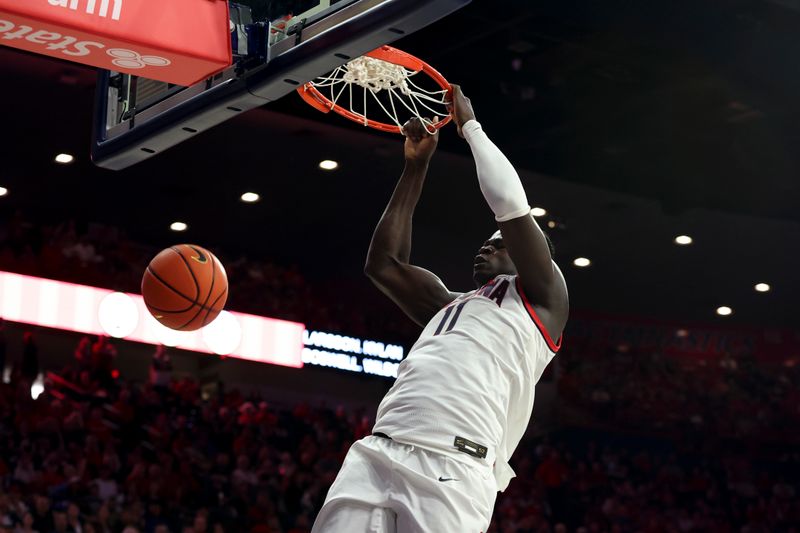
pixel 471 375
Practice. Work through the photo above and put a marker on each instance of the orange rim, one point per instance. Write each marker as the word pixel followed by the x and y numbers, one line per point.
pixel 319 101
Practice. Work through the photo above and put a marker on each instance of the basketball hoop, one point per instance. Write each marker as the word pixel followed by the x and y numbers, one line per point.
pixel 386 74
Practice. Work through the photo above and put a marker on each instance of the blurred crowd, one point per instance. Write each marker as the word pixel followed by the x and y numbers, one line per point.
pixel 94 452
pixel 726 396
pixel 586 481
pixel 103 256
pixel 654 444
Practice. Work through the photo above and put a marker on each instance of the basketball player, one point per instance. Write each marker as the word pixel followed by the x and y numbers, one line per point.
pixel 464 395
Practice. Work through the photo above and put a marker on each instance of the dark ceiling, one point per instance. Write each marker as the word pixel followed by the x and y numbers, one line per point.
pixel 689 102
pixel 650 119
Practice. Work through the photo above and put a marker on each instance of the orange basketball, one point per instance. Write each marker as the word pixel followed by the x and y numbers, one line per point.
pixel 185 287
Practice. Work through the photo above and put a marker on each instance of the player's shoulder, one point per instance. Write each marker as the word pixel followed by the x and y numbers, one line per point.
pixel 458 296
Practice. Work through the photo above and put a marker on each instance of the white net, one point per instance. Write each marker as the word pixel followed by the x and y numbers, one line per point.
pixel 390 86
pixel 376 75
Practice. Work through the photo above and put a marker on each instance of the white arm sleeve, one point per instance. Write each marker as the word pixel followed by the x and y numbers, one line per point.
pixel 498 179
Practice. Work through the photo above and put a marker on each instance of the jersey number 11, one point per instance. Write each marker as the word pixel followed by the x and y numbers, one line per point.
pixel 458 308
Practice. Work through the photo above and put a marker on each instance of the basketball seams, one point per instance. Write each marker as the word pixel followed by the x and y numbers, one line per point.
pixel 213 279
pixel 179 293
pixel 170 287
pixel 166 294
pixel 217 299
pixel 210 290
pixel 170 311
pixel 191 272
pixel 214 304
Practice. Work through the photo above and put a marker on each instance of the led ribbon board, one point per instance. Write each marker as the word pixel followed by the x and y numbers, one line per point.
pixel 84 309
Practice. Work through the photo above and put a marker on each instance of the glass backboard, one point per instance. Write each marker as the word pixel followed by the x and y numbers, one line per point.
pixel 277 46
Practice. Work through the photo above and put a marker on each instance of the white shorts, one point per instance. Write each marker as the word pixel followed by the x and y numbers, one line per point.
pixel 389 487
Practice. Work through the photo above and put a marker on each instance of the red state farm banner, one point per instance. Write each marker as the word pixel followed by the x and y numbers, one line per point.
pixel 177 41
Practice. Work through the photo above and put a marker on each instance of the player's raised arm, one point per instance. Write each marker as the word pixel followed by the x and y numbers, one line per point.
pixel 418 292
pixel 527 246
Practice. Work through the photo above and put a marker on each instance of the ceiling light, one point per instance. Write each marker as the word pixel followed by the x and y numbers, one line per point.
pixel 64 159
pixel 682 333
pixel 178 226
pixel 724 310
pixel 551 224
pixel 762 287
pixel 250 197
pixel 683 240
pixel 328 164
pixel 538 212
pixel 3 191
pixel 581 262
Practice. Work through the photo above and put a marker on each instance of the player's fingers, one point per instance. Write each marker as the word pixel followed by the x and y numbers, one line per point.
pixel 414 129
pixel 450 97
pixel 421 127
pixel 430 126
pixel 411 129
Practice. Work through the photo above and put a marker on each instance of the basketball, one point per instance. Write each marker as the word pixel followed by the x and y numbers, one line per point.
pixel 185 287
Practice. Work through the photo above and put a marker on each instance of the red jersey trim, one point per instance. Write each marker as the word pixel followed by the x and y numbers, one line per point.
pixel 554 346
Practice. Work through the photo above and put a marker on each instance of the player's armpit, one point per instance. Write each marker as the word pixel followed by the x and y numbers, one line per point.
pixel 418 292
pixel 538 274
